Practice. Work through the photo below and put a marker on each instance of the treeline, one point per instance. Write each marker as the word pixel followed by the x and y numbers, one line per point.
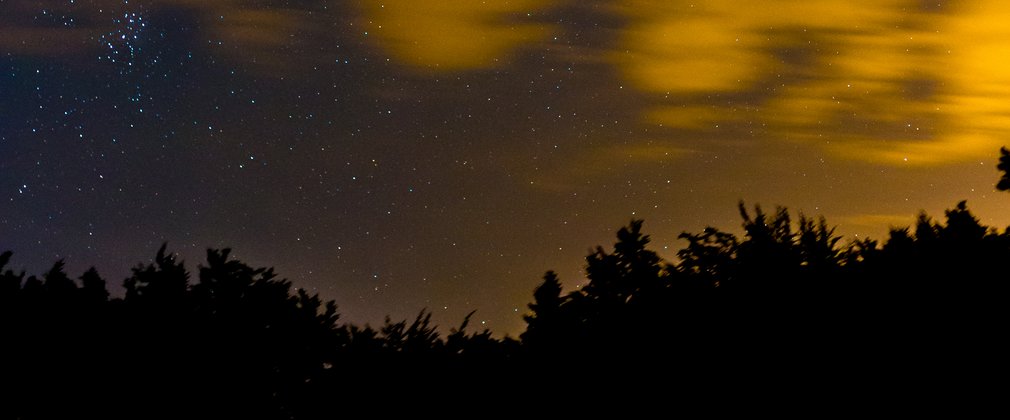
pixel 233 341
pixel 784 281
pixel 238 342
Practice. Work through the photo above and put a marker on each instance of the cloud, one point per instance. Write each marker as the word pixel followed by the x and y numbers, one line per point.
pixel 47 42
pixel 45 29
pixel 894 82
pixel 891 82
pixel 452 35
pixel 718 46
pixel 274 35
pixel 256 34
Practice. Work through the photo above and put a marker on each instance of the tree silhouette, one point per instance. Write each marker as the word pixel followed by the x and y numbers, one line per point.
pixel 93 288
pixel 708 260
pixel 628 272
pixel 10 283
pixel 57 285
pixel 784 299
pixel 163 283
pixel 545 325
pixel 474 349
pixel 1004 166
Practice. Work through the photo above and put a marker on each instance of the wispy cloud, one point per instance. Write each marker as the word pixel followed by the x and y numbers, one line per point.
pixel 256 34
pixel 894 82
pixel 891 82
pixel 452 35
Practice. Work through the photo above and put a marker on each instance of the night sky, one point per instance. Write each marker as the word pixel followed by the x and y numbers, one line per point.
pixel 404 154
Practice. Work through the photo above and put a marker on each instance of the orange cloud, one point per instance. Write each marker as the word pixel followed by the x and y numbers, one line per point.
pixel 451 35
pixel 36 29
pixel 891 82
pixel 44 41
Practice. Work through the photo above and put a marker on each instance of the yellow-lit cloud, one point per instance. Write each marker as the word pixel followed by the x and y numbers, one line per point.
pixel 452 35
pixel 897 82
pixel 719 45
pixel 893 82
pixel 439 35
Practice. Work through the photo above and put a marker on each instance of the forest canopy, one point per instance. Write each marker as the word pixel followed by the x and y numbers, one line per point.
pixel 246 343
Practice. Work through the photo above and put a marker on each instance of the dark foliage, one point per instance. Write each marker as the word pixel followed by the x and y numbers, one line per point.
pixel 238 343
pixel 1004 167
pixel 785 300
